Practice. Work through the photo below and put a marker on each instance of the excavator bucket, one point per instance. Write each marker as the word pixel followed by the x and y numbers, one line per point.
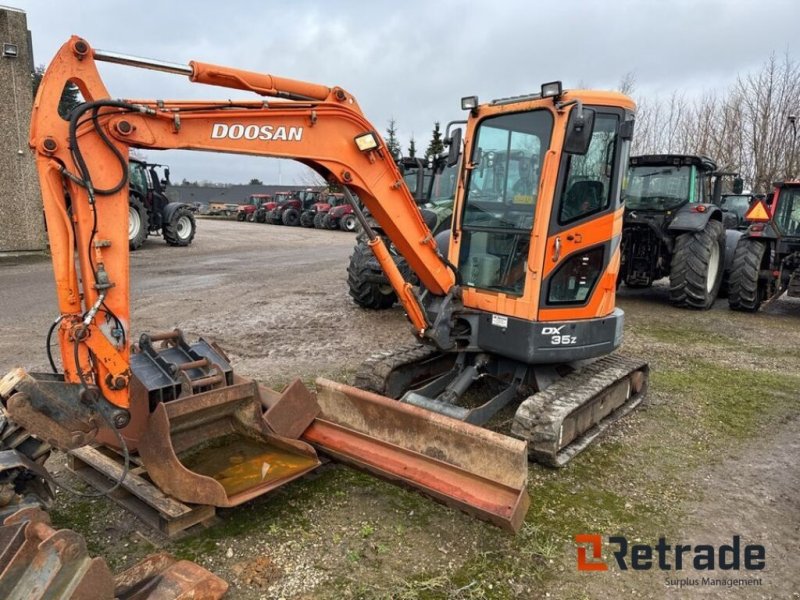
pixel 464 466
pixel 214 443
pixel 215 448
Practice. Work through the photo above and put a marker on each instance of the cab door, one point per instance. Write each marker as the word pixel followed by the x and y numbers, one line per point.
pixel 582 255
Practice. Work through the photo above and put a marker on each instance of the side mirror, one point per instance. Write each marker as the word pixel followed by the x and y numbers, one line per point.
pixel 738 185
pixel 579 130
pixel 770 198
pixel 454 149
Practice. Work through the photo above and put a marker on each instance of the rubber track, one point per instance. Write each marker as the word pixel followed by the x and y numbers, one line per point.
pixel 540 416
pixel 374 372
pixel 743 291
pixel 14 437
pixel 689 269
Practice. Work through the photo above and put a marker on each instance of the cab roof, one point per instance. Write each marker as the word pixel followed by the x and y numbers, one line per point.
pixel 703 163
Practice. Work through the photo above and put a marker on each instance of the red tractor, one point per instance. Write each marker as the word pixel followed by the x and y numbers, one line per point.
pixel 340 217
pixel 247 211
pixel 289 212
pixel 313 215
pixel 767 259
pixel 274 211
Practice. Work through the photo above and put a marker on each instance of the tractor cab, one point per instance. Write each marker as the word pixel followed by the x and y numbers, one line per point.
pixel 671 218
pixel 664 183
pixel 737 205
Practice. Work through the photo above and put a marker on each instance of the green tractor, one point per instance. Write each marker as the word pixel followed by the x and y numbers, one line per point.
pixel 433 186
pixel 151 212
pixel 675 227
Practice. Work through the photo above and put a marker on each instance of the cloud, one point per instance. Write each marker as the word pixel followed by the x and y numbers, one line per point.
pixel 414 60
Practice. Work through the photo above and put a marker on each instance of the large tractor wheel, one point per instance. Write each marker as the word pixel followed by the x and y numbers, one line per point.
pixel 318 220
pixel 307 219
pixel 291 217
pixel 137 223
pixel 251 218
pixel 181 228
pixel 745 290
pixel 697 266
pixel 349 223
pixel 367 294
pixel 329 223
pixel 241 216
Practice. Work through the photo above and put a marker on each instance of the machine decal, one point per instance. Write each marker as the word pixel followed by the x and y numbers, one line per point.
pixel 266 133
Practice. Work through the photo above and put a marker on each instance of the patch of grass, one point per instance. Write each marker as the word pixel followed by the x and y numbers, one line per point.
pixel 671 333
pixel 80 517
pixel 731 402
pixel 278 514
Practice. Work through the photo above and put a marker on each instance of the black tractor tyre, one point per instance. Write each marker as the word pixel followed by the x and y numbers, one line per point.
pixel 241 216
pixel 698 263
pixel 329 223
pixel 291 217
pixel 745 290
pixel 251 218
pixel 307 219
pixel 181 229
pixel 349 223
pixel 318 218
pixel 367 294
pixel 138 224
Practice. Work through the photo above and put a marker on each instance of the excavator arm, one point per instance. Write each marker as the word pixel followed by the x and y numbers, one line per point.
pixel 82 164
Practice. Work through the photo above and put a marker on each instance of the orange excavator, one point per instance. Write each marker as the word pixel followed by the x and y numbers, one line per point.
pixel 521 295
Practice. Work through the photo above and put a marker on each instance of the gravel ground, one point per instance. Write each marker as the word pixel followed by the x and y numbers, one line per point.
pixel 275 299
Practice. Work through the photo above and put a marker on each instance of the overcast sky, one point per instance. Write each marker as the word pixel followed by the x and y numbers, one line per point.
pixel 414 60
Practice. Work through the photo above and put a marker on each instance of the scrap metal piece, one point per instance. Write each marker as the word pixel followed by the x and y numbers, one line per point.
pixel 464 466
pixel 568 415
pixel 39 563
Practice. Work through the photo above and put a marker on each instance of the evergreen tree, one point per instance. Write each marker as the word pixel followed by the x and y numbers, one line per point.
pixel 255 181
pixel 392 143
pixel 412 148
pixel 436 145
pixel 70 97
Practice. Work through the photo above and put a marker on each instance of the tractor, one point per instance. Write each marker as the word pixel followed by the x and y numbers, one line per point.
pixel 433 187
pixel 313 215
pixel 767 259
pixel 290 211
pixel 151 212
pixel 247 211
pixel 673 228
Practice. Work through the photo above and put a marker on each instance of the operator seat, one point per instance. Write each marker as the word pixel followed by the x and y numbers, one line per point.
pixel 583 197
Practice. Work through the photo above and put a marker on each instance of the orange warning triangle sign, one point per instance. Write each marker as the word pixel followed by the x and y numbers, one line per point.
pixel 757 212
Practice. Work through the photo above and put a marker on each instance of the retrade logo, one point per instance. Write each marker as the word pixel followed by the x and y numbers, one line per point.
pixel 595 544
pixel 668 557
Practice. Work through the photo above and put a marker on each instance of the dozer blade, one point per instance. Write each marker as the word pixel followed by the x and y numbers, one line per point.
pixel 567 416
pixel 464 466
pixel 215 447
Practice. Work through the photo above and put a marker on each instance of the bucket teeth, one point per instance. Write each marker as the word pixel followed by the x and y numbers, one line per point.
pixel 567 416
